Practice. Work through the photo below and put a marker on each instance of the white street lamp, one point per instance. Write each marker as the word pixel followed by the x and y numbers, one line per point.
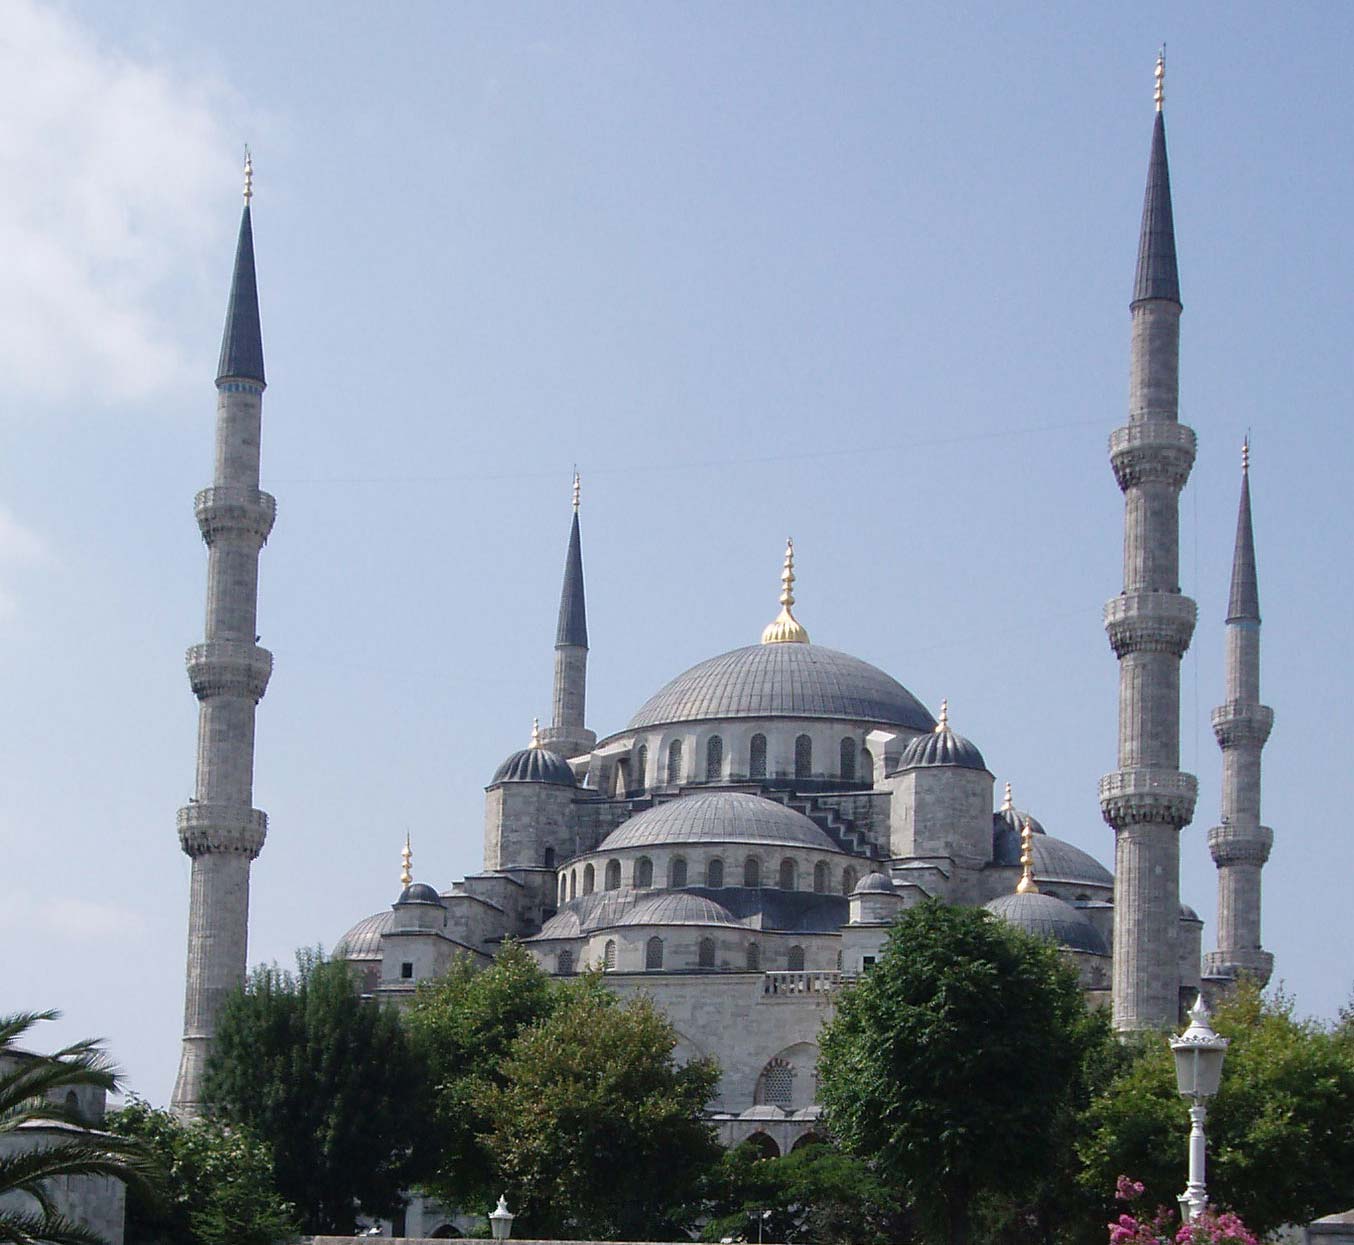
pixel 1199 1053
pixel 500 1219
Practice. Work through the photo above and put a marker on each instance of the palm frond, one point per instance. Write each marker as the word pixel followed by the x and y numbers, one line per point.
pixel 22 1227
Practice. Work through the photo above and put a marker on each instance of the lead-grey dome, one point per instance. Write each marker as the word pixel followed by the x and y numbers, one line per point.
pixel 677 908
pixel 942 746
pixel 719 817
pixel 1049 918
pixel 875 884
pixel 419 892
pixel 1058 861
pixel 363 941
pixel 784 681
pixel 1006 823
pixel 535 765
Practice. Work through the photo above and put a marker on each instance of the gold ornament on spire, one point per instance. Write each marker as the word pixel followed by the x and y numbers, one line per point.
pixel 1007 803
pixel 1026 885
pixel 786 629
pixel 535 732
pixel 944 722
pixel 1246 454
pixel 1159 94
pixel 248 176
pixel 577 489
pixel 406 856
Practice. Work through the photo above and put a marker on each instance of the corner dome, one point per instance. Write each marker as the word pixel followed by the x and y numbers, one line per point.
pixel 875 884
pixel 1050 919
pixel 783 681
pixel 419 892
pixel 677 908
pixel 719 817
pixel 943 746
pixel 363 941
pixel 535 765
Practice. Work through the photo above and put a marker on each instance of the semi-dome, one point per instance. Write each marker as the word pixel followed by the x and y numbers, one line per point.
pixel 942 746
pixel 1049 918
pixel 535 764
pixel 719 817
pixel 784 681
pixel 875 884
pixel 363 941
pixel 419 892
pixel 677 908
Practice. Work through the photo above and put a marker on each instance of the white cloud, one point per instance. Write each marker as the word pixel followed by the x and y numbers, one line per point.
pixel 115 173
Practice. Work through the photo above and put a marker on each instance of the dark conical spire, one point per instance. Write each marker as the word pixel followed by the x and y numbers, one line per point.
pixel 242 342
pixel 1244 603
pixel 1157 276
pixel 573 610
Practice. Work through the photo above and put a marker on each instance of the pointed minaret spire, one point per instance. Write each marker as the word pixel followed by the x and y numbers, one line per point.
pixel 242 341
pixel 1243 604
pixel 567 734
pixel 1157 276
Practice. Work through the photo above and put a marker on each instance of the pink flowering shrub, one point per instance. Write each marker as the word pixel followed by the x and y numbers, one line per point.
pixel 1211 1228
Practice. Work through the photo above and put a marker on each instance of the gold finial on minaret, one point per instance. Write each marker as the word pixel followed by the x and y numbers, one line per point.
pixel 1007 803
pixel 786 629
pixel 535 732
pixel 248 176
pixel 943 724
pixel 1026 885
pixel 1159 94
pixel 1246 454
pixel 577 489
pixel 406 857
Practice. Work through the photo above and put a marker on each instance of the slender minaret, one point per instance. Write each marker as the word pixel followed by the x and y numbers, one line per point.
pixel 567 734
pixel 220 829
pixel 1240 845
pixel 1148 800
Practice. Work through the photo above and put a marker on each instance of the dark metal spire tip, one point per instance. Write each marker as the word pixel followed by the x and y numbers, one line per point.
pixel 242 341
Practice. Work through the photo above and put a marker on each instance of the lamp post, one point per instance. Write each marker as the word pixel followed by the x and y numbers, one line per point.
pixel 1199 1053
pixel 500 1219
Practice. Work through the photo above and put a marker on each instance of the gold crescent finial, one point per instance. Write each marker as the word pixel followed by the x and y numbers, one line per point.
pixel 943 724
pixel 1026 884
pixel 1159 94
pixel 407 856
pixel 535 732
pixel 248 176
pixel 577 489
pixel 786 629
pixel 1007 804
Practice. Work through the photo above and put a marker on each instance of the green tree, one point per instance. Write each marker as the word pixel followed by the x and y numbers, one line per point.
pixel 947 1063
pixel 462 1026
pixel 1280 1145
pixel 33 1091
pixel 328 1082
pixel 220 1187
pixel 596 1130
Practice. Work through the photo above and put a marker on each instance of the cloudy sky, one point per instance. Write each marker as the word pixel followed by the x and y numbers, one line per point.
pixel 856 274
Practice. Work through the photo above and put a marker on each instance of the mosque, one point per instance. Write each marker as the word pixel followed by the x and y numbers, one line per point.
pixel 739 848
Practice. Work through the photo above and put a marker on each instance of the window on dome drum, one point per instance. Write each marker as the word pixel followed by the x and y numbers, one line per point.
pixel 788 874
pixel 848 765
pixel 677 872
pixel 653 954
pixel 803 756
pixel 776 1085
pixel 613 875
pixel 643 872
pixel 72 1102
pixel 848 880
pixel 795 960
pixel 674 762
pixel 573 883
pixel 752 872
pixel 564 963
pixel 867 765
pixel 714 873
pixel 714 758
pixel 609 955
pixel 754 957
pixel 641 768
pixel 757 757
pixel 820 877
pixel 563 888
pixel 549 858
pixel 407 970
pixel 589 879
pixel 706 953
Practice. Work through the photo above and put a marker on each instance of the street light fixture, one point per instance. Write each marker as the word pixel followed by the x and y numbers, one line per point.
pixel 1199 1053
pixel 500 1219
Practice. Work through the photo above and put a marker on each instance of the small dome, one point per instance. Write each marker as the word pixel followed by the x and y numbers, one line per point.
pixel 564 924
pixel 1050 919
pixel 719 817
pixel 535 765
pixel 942 746
pixel 1188 914
pixel 677 908
pixel 363 941
pixel 875 884
pixel 419 892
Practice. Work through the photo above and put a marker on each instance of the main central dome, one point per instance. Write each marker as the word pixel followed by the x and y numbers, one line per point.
pixel 784 681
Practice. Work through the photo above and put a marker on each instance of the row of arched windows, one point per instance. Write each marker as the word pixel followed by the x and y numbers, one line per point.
pixel 705 957
pixel 847 767
pixel 787 877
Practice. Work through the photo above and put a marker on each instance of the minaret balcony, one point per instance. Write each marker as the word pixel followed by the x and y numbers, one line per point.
pixel 1231 844
pixel 229 511
pixel 1155 451
pixel 228 668
pixel 1238 722
pixel 1148 796
pixel 1235 963
pixel 222 828
pixel 1150 622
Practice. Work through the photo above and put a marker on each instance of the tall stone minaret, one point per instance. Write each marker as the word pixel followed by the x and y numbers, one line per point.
pixel 220 829
pixel 567 733
pixel 1240 845
pixel 1148 800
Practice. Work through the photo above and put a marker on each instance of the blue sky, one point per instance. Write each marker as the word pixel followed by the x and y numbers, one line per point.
pixel 855 274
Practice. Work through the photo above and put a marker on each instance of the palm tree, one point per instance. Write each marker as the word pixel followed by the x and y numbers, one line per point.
pixel 36 1103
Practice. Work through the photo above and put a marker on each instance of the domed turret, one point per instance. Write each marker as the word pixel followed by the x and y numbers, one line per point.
pixel 535 764
pixel 1042 915
pixel 942 746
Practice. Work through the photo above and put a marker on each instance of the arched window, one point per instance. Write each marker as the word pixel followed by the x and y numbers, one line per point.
pixel 549 858
pixel 573 883
pixel 776 1085
pixel 752 872
pixel 564 963
pixel 609 955
pixel 766 1148
pixel 72 1102
pixel 795 960
pixel 563 888
pixel 706 953
pixel 820 877
pixel 757 757
pixel 848 766
pixel 653 954
pixel 867 765
pixel 714 873
pixel 788 874
pixel 589 879
pixel 643 872
pixel 803 756
pixel 677 872
pixel 714 758
pixel 754 957
pixel 674 762
pixel 641 775
pixel 613 875
pixel 848 880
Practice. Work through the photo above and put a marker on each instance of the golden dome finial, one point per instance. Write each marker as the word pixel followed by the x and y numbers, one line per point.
pixel 1007 803
pixel 1159 94
pixel 1246 454
pixel 943 723
pixel 1026 885
pixel 577 489
pixel 406 856
pixel 535 732
pixel 786 629
pixel 248 176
